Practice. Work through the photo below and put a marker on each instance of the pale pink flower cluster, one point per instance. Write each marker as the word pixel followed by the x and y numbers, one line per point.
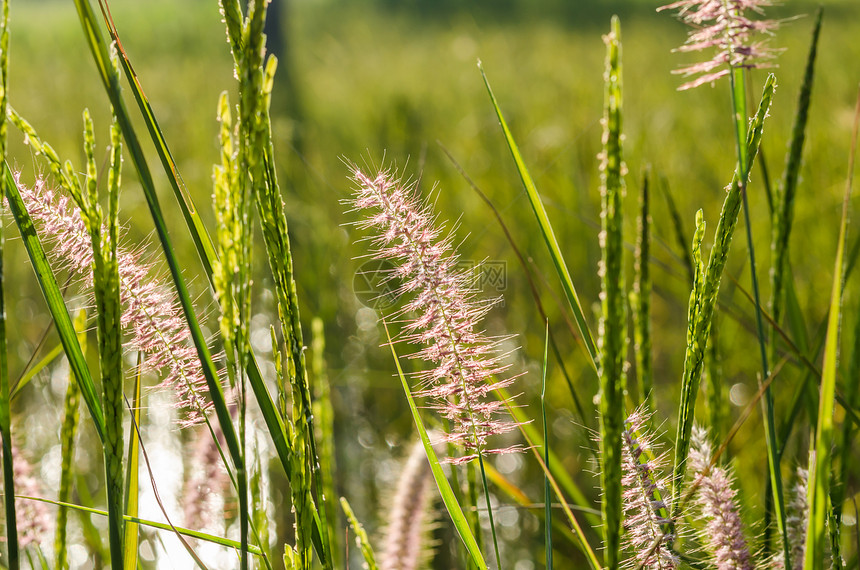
pixel 409 514
pixel 150 313
pixel 441 316
pixel 723 534
pixel 724 25
pixel 208 483
pixel 32 517
pixel 649 530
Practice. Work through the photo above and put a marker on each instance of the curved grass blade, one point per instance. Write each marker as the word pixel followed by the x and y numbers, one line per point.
pixel 35 369
pixel 360 535
pixel 54 299
pixel 546 229
pixel 821 456
pixel 131 479
pixel 448 497
pixel 201 239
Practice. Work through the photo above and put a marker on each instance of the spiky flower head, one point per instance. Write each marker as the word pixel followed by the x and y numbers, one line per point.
pixel 725 26
pixel 150 313
pixel 442 315
pixel 723 533
pixel 649 533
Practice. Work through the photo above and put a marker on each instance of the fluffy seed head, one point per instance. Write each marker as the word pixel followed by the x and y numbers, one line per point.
pixel 649 533
pixel 723 533
pixel 150 313
pixel 723 25
pixel 443 312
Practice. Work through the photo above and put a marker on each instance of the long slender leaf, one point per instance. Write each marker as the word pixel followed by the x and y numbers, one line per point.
pixel 546 229
pixel 131 479
pixel 54 298
pixel 821 454
pixel 195 226
pixel 448 497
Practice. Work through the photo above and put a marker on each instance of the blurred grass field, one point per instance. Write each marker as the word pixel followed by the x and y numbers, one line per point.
pixel 396 83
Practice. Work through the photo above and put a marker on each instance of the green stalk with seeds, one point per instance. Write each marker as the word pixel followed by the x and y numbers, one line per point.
pixel 5 396
pixel 612 339
pixel 68 433
pixel 704 298
pixel 109 323
pixel 640 298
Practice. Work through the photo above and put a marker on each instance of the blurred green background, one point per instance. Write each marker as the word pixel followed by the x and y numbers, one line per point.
pixel 395 83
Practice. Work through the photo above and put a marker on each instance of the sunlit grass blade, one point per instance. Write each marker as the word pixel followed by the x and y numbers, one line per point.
pixel 54 299
pixel 34 370
pixel 702 302
pixel 186 532
pixel 196 229
pixel 360 535
pixel 580 409
pixel 132 498
pixel 448 497
pixel 547 493
pixel 545 229
pixel 5 389
pixel 820 460
pixel 68 433
pixel 535 443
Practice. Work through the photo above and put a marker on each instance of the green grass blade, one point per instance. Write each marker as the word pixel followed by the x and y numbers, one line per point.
pixel 360 535
pixel 5 389
pixel 547 492
pixel 191 533
pixel 35 369
pixel 640 297
pixel 678 228
pixel 68 433
pixel 821 457
pixel 448 497
pixel 132 529
pixel 99 51
pixel 546 229
pixel 54 299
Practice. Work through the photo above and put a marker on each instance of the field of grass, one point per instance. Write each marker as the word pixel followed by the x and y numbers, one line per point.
pixel 395 84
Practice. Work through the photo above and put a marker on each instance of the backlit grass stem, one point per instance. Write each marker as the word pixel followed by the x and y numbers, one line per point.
pixel 5 407
pixel 612 331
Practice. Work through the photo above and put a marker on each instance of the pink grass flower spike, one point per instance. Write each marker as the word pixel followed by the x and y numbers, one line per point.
pixel 442 315
pixel 723 24
pixel 150 312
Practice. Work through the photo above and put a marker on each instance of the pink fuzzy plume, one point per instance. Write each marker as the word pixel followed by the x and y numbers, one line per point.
pixel 32 516
pixel 446 310
pixel 724 537
pixel 723 25
pixel 150 313
pixel 649 533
